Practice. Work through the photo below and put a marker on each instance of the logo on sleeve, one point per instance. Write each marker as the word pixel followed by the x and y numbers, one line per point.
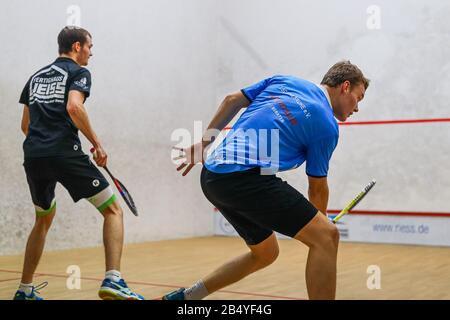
pixel 82 83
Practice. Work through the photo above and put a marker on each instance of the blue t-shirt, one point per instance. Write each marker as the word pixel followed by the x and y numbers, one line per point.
pixel 289 121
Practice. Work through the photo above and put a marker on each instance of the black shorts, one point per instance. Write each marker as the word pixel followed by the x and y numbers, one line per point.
pixel 256 205
pixel 76 173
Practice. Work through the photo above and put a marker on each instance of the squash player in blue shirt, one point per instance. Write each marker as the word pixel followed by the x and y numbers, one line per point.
pixel 287 121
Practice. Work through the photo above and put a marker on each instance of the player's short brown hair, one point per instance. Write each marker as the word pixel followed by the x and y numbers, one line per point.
pixel 343 71
pixel 69 35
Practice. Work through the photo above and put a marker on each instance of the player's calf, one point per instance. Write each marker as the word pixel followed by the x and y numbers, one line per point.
pixel 44 223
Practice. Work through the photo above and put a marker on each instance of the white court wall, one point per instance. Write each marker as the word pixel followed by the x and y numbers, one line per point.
pixel 159 65
pixel 153 68
pixel 407 62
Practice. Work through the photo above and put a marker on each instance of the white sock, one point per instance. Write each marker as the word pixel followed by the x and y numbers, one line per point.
pixel 113 275
pixel 197 292
pixel 26 288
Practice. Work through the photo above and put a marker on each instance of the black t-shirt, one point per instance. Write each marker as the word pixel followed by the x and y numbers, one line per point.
pixel 52 132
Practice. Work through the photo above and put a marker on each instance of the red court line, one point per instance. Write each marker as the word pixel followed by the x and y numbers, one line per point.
pixel 10 271
pixel 390 213
pixel 381 122
pixel 5 280
pixel 161 285
pixel 396 213
pixel 394 121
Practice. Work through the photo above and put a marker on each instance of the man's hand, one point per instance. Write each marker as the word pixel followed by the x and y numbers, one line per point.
pixel 100 156
pixel 229 107
pixel 191 156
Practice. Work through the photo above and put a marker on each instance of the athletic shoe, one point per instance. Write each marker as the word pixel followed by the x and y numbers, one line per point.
pixel 117 290
pixel 175 295
pixel 20 295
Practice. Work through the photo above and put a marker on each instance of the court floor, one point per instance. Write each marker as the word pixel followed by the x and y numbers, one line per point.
pixel 155 268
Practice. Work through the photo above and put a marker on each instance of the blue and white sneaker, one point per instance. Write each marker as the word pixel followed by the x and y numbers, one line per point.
pixel 117 290
pixel 20 295
pixel 175 295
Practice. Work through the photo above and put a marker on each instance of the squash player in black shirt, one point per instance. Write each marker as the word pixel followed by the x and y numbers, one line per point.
pixel 53 112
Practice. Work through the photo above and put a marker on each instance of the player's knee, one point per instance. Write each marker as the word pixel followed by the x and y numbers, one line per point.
pixel 265 260
pixel 266 257
pixel 329 237
pixel 319 233
pixel 336 235
pixel 113 209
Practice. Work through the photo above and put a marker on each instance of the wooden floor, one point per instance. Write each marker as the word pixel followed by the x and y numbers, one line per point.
pixel 155 268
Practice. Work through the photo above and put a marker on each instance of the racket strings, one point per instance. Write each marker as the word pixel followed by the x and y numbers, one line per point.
pixel 127 197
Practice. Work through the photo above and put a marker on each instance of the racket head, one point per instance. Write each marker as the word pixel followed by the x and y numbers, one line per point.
pixel 363 194
pixel 122 190
pixel 355 201
pixel 126 196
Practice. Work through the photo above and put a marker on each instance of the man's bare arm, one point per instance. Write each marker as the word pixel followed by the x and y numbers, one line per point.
pixel 229 107
pixel 318 193
pixel 79 116
pixel 25 120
